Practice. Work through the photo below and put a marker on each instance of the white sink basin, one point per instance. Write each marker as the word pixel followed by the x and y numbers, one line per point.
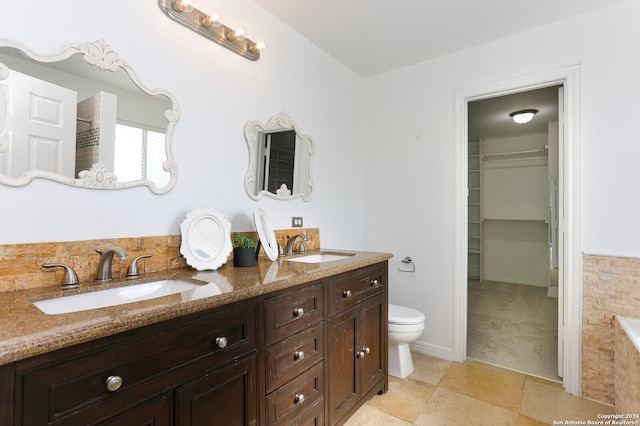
pixel 113 296
pixel 320 257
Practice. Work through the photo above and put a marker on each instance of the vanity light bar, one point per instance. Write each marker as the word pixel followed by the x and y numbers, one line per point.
pixel 209 26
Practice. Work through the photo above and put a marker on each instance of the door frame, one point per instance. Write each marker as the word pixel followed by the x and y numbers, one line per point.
pixel 569 225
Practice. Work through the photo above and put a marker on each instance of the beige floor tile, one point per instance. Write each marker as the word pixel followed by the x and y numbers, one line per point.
pixel 548 403
pixel 428 369
pixel 557 385
pixel 449 408
pixel 405 398
pixel 528 421
pixel 502 389
pixel 370 416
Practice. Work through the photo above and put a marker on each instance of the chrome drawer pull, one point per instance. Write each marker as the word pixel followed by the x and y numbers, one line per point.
pixel 346 293
pixel 298 312
pixel 299 399
pixel 298 355
pixel 221 342
pixel 114 383
pixel 375 283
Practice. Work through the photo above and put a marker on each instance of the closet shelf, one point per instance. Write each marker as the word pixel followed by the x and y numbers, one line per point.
pixel 517 154
pixel 489 219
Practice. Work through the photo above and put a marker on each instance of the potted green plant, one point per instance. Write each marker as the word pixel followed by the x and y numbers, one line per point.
pixel 244 249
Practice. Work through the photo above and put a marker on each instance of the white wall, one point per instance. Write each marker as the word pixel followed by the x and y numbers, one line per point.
pixel 218 93
pixel 411 169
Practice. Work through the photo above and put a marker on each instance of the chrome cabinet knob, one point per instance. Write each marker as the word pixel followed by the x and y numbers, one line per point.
pixel 298 312
pixel 299 399
pixel 114 383
pixel 298 355
pixel 375 283
pixel 346 293
pixel 221 342
pixel 363 352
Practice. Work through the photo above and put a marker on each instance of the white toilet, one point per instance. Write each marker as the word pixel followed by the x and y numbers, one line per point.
pixel 405 326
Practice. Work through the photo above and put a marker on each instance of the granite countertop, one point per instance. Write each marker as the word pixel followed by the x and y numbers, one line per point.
pixel 27 331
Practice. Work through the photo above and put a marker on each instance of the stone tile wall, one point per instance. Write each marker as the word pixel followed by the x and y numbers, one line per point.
pixel 626 374
pixel 20 263
pixel 611 286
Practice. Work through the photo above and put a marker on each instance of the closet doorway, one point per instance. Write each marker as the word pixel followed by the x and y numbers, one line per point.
pixel 513 254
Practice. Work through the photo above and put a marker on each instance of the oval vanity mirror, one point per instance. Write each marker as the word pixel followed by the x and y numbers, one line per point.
pixel 83 118
pixel 206 239
pixel 279 160
pixel 265 233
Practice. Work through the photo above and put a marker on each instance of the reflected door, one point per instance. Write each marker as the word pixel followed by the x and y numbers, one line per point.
pixel 46 114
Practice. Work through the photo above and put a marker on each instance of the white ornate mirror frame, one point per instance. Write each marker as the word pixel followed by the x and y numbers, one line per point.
pixel 303 186
pixel 206 239
pixel 100 55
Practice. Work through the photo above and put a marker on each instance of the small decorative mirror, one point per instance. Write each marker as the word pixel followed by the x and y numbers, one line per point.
pixel 206 239
pixel 83 118
pixel 279 160
pixel 265 233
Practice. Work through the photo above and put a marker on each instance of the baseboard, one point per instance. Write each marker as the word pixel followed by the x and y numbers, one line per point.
pixel 432 350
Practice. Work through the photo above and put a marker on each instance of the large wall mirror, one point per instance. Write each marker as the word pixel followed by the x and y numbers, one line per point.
pixel 279 160
pixel 83 118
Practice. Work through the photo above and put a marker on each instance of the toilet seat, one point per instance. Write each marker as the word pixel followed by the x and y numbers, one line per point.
pixel 402 315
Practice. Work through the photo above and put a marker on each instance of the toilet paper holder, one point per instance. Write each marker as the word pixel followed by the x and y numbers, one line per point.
pixel 408 265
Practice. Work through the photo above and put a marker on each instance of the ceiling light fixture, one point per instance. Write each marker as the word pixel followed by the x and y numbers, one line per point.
pixel 208 25
pixel 523 116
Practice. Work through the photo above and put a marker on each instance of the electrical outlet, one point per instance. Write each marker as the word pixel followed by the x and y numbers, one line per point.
pixel 296 222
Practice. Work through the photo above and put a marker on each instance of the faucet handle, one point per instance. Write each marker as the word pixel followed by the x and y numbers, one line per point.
pixel 70 277
pixel 133 271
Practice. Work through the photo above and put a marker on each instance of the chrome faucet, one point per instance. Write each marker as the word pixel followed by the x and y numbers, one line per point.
pixel 288 251
pixel 104 266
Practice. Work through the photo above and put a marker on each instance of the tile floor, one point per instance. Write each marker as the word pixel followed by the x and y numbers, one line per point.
pixel 442 392
pixel 513 325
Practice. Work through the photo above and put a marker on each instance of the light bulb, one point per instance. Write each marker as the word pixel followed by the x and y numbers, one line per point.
pixel 189 5
pixel 184 5
pixel 213 20
pixel 258 46
pixel 237 34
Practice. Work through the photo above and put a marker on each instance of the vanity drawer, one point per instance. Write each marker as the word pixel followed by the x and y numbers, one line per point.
pixel 290 357
pixel 78 387
pixel 297 396
pixel 293 312
pixel 351 288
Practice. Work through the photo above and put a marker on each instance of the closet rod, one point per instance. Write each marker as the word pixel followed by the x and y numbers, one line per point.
pixel 531 151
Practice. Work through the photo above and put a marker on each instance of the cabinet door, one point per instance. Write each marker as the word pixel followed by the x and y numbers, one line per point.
pixel 157 412
pixel 227 396
pixel 373 343
pixel 343 384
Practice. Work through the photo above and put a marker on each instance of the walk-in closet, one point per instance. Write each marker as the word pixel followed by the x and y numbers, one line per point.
pixel 512 244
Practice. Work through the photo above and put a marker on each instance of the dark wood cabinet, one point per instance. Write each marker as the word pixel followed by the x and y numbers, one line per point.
pixel 227 396
pixel 357 336
pixel 294 355
pixel 307 355
pixel 132 378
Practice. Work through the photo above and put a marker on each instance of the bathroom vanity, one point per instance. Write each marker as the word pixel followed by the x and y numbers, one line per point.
pixel 283 343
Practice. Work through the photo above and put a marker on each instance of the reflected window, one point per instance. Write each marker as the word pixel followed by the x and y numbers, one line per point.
pixel 139 153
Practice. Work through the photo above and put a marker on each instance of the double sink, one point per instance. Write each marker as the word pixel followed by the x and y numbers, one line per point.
pixel 146 291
